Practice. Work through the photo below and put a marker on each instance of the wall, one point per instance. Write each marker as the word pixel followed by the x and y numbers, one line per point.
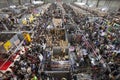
pixel 25 1
pixel 111 4
pixel 6 3
pixel 3 3
pixel 66 1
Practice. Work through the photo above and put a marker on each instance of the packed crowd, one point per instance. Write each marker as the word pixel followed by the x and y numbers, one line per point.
pixel 96 39
pixel 29 65
pixel 102 40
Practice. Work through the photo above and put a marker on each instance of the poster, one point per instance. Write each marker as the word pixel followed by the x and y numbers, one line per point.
pixel 31 18
pixel 24 22
pixel 7 45
pixel 27 37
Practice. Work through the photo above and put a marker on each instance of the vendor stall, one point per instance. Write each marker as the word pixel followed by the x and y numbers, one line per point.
pixel 10 47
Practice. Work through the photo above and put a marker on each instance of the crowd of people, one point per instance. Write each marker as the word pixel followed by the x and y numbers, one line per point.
pixel 101 39
pixel 31 64
pixel 96 45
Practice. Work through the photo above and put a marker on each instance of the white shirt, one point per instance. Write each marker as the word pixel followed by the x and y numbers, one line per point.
pixel 84 51
pixel 44 46
pixel 93 61
pixel 103 33
pixel 41 57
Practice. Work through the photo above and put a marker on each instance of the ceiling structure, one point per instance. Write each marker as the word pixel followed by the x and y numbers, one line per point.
pixel 110 4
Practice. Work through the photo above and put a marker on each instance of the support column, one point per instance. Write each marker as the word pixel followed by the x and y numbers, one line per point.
pixel 81 0
pixel 30 1
pixel 97 3
pixel 7 3
pixel 86 2
pixel 19 1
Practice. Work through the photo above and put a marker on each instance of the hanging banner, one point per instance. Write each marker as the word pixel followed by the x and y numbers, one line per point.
pixel 37 15
pixel 17 42
pixel 7 45
pixel 20 36
pixel 31 18
pixel 24 22
pixel 2 49
pixel 27 37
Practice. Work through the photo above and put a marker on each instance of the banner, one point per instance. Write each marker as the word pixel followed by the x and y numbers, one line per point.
pixel 37 15
pixel 24 22
pixel 31 18
pixel 20 37
pixel 7 45
pixel 17 42
pixel 27 37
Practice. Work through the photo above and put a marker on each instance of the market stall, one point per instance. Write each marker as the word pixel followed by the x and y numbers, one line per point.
pixel 10 47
